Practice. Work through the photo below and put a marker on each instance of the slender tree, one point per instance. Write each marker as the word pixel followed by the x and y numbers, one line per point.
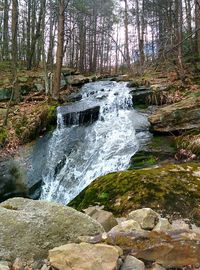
pixel 59 53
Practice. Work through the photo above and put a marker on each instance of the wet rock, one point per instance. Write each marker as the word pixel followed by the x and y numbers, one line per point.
pixel 132 263
pixel 132 84
pixel 163 225
pixel 101 97
pixel 79 113
pixel 105 218
pixel 30 228
pixel 74 97
pixel 146 217
pixel 141 96
pixel 85 256
pixel 126 226
pixel 181 116
pixel 12 180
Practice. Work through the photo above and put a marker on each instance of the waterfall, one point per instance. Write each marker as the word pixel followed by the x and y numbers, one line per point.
pixel 79 153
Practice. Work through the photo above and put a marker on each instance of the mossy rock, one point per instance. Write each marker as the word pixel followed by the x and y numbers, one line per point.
pixel 180 116
pixel 160 149
pixel 5 93
pixel 29 127
pixel 143 159
pixel 173 188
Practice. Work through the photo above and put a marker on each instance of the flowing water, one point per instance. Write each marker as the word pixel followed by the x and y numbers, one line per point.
pixel 80 153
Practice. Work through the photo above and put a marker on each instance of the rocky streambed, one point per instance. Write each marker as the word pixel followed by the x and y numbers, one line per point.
pixel 44 235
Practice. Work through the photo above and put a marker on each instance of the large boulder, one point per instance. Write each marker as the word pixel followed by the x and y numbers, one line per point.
pixel 174 188
pixel 30 228
pixel 85 256
pixel 180 116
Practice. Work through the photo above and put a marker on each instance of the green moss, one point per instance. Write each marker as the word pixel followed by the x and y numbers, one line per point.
pixel 3 136
pixel 157 150
pixel 140 106
pixel 52 113
pixel 143 159
pixel 171 187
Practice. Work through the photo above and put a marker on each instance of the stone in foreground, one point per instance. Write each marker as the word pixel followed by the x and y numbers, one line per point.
pixel 126 226
pixel 105 218
pixel 173 249
pixel 85 256
pixel 30 228
pixel 132 263
pixel 146 217
pixel 163 225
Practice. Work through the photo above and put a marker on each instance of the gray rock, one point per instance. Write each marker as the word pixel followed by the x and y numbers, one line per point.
pixel 85 256
pixel 30 228
pixel 146 217
pixel 105 218
pixel 180 224
pixel 132 263
pixel 163 225
pixel 127 226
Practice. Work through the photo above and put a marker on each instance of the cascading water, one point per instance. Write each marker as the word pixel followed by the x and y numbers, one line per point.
pixel 80 153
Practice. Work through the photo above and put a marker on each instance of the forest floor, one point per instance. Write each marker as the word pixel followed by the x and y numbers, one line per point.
pixel 35 113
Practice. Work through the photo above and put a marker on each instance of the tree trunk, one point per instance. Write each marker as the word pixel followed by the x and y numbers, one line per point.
pixel 5 31
pixel 197 21
pixel 59 53
pixel 15 89
pixel 128 61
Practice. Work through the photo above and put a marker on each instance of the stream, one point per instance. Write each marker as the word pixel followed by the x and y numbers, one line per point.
pixel 78 154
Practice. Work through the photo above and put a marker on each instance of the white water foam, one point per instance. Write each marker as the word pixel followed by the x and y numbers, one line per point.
pixel 79 154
